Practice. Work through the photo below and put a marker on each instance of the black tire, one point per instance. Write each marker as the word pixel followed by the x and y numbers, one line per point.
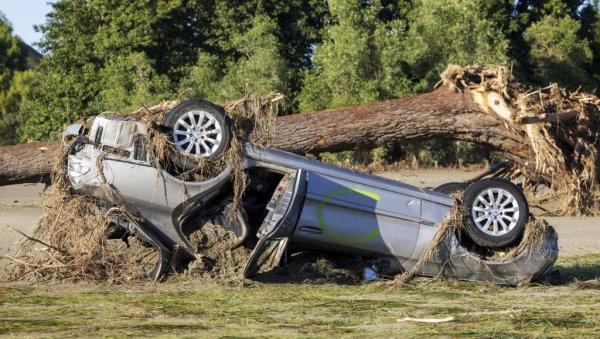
pixel 451 187
pixel 506 214
pixel 200 145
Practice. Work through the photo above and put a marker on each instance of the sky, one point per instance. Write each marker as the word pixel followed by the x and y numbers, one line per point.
pixel 23 14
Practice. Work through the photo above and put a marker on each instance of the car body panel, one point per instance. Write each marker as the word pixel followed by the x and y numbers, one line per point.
pixel 159 196
pixel 270 155
pixel 327 225
pixel 153 193
pixel 450 259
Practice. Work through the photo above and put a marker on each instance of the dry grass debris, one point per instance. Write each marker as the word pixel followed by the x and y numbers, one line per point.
pixel 452 224
pixel 71 241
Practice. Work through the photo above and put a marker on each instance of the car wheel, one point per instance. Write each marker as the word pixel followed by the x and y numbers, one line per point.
pixel 451 187
pixel 497 212
pixel 200 129
pixel 139 259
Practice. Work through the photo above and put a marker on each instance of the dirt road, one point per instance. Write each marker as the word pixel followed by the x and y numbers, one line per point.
pixel 19 208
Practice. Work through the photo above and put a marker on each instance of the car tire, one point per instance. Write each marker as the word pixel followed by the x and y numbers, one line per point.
pixel 451 187
pixel 199 129
pixel 497 212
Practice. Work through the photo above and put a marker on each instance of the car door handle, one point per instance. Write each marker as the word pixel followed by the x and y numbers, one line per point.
pixel 310 230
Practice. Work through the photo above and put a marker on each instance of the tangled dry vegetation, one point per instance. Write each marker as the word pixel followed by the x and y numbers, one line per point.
pixel 562 128
pixel 69 241
pixel 535 233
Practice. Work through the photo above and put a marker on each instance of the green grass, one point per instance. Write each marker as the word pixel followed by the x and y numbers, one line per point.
pixel 252 309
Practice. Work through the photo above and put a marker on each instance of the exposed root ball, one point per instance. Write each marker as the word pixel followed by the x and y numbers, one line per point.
pixel 562 128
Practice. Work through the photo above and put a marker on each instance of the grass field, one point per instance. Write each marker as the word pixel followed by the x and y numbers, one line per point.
pixel 252 309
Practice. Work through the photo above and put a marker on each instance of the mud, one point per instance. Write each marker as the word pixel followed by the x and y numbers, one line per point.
pixel 220 262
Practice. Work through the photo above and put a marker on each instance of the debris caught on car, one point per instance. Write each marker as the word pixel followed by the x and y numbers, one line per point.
pixel 450 254
pixel 79 230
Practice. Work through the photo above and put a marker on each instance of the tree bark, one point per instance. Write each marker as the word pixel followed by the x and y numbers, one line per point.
pixel 27 163
pixel 442 113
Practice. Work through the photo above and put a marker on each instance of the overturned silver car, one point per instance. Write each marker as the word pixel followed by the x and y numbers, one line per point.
pixel 289 200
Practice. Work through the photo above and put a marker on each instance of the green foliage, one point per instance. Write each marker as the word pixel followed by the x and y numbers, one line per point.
pixel 103 55
pixel 107 55
pixel 259 70
pixel 130 81
pixel 358 60
pixel 558 54
pixel 13 56
pixel 11 102
pixel 596 51
pixel 53 100
pixel 111 55
pixel 13 81
pixel 451 32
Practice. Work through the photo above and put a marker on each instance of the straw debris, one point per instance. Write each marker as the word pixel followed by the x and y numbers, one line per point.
pixel 452 224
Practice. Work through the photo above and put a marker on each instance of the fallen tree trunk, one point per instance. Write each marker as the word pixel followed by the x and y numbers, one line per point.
pixel 27 163
pixel 443 113
pixel 549 135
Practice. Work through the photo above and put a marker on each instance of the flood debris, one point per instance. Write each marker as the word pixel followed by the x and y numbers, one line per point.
pixel 426 320
pixel 180 224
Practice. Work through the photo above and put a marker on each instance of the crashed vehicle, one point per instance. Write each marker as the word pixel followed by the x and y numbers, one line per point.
pixel 293 200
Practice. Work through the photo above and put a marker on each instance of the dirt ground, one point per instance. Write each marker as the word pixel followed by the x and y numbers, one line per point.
pixel 20 209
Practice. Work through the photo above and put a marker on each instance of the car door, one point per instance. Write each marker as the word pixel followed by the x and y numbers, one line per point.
pixel 344 215
pixel 275 230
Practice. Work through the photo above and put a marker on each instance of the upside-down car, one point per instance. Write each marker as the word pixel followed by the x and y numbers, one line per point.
pixel 291 199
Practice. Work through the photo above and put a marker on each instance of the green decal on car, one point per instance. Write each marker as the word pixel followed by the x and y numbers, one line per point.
pixel 339 237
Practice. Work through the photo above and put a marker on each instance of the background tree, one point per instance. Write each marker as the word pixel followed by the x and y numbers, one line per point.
pixel 359 59
pixel 13 56
pixel 577 18
pixel 111 55
pixel 102 55
pixel 13 81
pixel 459 32
pixel 107 55
pixel 559 54
pixel 260 69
